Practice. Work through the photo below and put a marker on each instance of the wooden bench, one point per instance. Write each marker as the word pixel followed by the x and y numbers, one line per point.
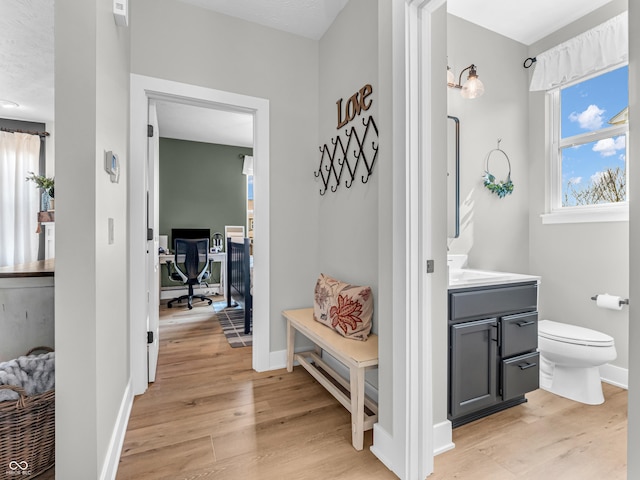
pixel 356 355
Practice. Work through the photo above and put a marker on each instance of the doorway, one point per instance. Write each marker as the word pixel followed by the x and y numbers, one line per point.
pixel 144 89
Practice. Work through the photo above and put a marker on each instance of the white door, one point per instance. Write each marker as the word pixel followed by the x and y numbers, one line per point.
pixel 153 242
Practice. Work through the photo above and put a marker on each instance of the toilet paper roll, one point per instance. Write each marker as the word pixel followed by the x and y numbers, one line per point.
pixel 611 302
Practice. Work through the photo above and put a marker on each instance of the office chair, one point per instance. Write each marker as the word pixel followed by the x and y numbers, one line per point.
pixel 191 267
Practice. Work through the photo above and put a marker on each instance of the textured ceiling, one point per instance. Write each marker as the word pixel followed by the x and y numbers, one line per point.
pixel 26 58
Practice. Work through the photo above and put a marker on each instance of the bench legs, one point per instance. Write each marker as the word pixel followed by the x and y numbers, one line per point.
pixel 291 338
pixel 356 383
pixel 357 407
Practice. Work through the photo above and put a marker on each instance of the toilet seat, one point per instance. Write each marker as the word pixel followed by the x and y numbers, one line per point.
pixel 562 332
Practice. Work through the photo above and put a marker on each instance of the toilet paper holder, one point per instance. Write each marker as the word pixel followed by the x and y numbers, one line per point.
pixel 623 301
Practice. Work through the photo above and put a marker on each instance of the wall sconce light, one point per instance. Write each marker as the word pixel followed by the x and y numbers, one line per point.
pixel 472 88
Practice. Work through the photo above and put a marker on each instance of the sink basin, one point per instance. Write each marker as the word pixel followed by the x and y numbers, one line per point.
pixel 464 277
pixel 472 276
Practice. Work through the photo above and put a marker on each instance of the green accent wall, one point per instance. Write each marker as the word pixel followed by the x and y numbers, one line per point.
pixel 201 186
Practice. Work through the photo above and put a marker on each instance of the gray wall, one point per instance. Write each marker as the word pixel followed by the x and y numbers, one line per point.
pixel 201 186
pixel 438 218
pixel 494 231
pixel 347 218
pixel 92 330
pixel 176 41
pixel 579 260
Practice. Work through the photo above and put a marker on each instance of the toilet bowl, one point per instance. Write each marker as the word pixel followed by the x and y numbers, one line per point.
pixel 570 357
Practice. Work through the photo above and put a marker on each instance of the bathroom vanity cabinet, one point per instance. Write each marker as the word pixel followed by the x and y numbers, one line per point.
pixel 493 337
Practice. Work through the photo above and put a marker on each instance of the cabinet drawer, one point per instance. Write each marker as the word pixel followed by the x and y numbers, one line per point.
pixel 491 302
pixel 519 333
pixel 520 375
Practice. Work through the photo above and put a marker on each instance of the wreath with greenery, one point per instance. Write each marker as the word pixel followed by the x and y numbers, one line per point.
pixel 501 188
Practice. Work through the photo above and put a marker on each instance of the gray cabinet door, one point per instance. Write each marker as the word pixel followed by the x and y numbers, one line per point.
pixel 473 366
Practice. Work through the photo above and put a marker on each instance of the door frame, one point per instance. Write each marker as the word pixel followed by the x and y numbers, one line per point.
pixel 408 451
pixel 143 88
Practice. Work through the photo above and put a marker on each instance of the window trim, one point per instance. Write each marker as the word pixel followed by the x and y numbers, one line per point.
pixel 555 212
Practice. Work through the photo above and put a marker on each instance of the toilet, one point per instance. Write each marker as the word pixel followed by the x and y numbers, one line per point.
pixel 570 357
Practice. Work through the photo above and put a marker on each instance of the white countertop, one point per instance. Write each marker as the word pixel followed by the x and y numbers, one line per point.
pixel 465 278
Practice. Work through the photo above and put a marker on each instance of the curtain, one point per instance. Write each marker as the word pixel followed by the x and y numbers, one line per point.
pixel 19 199
pixel 601 47
pixel 247 166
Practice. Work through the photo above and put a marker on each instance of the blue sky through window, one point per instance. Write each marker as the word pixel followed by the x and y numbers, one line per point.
pixel 586 107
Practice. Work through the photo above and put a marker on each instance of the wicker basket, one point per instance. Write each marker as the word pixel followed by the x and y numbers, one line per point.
pixel 27 433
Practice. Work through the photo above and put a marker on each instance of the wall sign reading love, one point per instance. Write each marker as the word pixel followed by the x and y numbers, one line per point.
pixel 358 148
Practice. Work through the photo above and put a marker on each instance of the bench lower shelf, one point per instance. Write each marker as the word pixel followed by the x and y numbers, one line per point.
pixel 357 356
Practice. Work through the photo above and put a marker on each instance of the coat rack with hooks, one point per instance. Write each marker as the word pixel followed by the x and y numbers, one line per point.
pixel 348 153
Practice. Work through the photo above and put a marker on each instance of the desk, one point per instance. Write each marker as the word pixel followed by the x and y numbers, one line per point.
pixel 212 257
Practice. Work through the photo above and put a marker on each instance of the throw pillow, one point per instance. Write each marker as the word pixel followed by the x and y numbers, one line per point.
pixel 346 308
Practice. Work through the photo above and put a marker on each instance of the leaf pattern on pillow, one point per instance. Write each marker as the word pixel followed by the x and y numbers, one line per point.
pixel 365 294
pixel 346 314
pixel 322 294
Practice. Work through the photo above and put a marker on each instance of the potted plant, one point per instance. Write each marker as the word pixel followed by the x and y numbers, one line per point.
pixel 47 186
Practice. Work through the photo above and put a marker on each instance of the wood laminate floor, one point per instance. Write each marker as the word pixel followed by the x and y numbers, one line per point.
pixel 208 415
pixel 547 438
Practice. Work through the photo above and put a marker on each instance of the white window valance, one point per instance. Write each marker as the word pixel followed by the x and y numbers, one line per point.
pixel 601 47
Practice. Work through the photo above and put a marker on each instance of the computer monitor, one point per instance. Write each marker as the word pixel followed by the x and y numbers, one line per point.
pixel 190 233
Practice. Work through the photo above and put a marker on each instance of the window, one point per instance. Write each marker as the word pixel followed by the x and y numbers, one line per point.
pixel 589 146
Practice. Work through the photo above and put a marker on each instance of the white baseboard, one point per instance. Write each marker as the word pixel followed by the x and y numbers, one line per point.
pixel 112 459
pixel 383 449
pixel 277 360
pixel 613 375
pixel 442 437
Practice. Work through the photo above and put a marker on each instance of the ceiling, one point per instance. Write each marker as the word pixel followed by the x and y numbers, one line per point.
pixel 200 124
pixel 26 50
pixel 307 18
pixel 26 59
pixel 524 22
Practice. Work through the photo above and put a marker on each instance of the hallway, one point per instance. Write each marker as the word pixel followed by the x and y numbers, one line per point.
pixel 208 415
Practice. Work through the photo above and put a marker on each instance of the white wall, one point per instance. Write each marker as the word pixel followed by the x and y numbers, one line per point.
pixel 575 261
pixel 493 231
pixel 91 97
pixel 176 41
